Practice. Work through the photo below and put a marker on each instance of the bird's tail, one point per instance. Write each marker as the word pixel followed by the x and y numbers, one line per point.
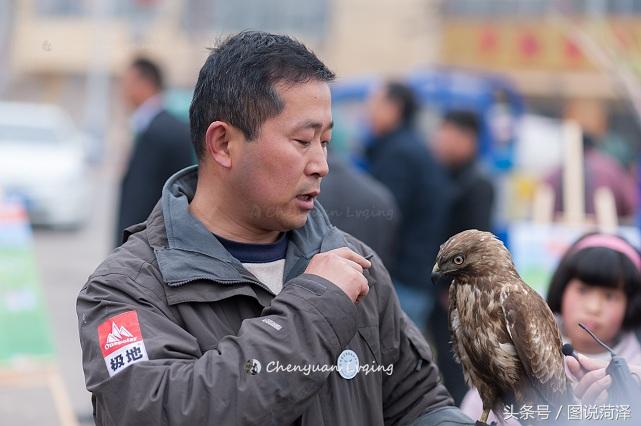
pixel 543 407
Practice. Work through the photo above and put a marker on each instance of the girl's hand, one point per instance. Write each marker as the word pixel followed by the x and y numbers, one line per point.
pixel 636 373
pixel 592 380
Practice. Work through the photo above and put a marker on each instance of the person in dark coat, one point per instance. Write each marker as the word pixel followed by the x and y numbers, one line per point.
pixel 471 206
pixel 161 147
pixel 472 199
pixel 399 158
pixel 361 206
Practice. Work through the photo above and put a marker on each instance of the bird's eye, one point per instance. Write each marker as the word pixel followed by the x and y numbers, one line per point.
pixel 458 260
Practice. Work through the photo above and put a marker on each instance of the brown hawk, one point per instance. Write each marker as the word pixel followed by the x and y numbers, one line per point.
pixel 503 333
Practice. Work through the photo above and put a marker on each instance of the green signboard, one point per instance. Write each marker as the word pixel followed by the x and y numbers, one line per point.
pixel 24 330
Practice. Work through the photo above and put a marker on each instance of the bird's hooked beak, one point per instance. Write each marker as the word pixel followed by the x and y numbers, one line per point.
pixel 436 274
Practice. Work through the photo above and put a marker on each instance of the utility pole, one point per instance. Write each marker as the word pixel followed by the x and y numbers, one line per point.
pixel 7 18
pixel 98 82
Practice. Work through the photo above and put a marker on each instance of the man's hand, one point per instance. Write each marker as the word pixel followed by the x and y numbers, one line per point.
pixel 344 268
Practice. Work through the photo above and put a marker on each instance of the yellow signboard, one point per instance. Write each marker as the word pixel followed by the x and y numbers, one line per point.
pixel 544 45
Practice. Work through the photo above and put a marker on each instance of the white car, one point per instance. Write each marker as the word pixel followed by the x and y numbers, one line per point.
pixel 43 163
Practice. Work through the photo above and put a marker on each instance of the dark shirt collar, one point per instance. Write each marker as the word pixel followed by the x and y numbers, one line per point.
pixel 256 253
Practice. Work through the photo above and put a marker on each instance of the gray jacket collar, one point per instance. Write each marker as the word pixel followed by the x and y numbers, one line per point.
pixel 192 253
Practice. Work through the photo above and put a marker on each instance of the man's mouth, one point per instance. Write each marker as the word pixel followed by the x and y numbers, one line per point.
pixel 308 196
pixel 306 200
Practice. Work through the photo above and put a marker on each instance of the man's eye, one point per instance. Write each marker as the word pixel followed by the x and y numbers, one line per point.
pixel 302 142
pixel 325 143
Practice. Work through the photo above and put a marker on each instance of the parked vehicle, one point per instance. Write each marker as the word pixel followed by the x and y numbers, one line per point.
pixel 43 163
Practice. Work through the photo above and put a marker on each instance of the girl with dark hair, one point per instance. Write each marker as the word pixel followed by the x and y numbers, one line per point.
pixel 598 283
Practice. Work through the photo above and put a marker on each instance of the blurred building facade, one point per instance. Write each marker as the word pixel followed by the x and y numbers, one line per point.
pixel 71 53
pixel 557 52
pixel 533 41
pixel 57 42
pixel 577 59
pixel 546 46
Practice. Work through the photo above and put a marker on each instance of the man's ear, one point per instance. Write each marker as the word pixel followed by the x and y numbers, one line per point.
pixel 217 142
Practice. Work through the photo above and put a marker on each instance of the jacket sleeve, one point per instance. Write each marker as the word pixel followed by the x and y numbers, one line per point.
pixel 414 388
pixel 180 385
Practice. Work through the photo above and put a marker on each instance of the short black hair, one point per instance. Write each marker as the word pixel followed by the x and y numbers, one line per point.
pixel 464 120
pixel 589 141
pixel 600 267
pixel 150 71
pixel 237 82
pixel 402 95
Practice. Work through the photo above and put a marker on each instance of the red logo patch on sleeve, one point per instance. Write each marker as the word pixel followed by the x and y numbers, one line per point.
pixel 121 342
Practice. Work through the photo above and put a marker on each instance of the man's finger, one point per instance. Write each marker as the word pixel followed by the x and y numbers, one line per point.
pixel 353 256
pixel 364 291
pixel 354 265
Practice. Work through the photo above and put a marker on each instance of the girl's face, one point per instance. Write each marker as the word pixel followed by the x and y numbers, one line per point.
pixel 601 309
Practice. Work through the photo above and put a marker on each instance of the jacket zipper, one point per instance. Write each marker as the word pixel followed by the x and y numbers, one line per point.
pixel 247 281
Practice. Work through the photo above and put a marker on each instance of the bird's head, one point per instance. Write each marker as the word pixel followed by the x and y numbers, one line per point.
pixel 471 253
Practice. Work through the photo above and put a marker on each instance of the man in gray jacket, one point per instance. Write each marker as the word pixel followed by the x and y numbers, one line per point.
pixel 237 302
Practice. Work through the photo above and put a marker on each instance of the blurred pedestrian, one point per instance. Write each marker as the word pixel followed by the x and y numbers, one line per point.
pixel 471 205
pixel 361 206
pixel 471 189
pixel 400 160
pixel 237 302
pixel 161 144
pixel 600 170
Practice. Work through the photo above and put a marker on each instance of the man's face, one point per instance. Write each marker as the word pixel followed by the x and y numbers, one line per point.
pixel 384 114
pixel 277 176
pixel 129 84
pixel 134 88
pixel 453 145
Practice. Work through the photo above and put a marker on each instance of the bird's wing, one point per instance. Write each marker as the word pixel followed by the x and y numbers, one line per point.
pixel 453 322
pixel 537 340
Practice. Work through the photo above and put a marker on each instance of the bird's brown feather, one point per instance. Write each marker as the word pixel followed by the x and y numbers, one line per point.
pixel 537 341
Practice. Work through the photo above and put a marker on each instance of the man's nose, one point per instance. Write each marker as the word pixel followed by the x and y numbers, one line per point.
pixel 317 164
